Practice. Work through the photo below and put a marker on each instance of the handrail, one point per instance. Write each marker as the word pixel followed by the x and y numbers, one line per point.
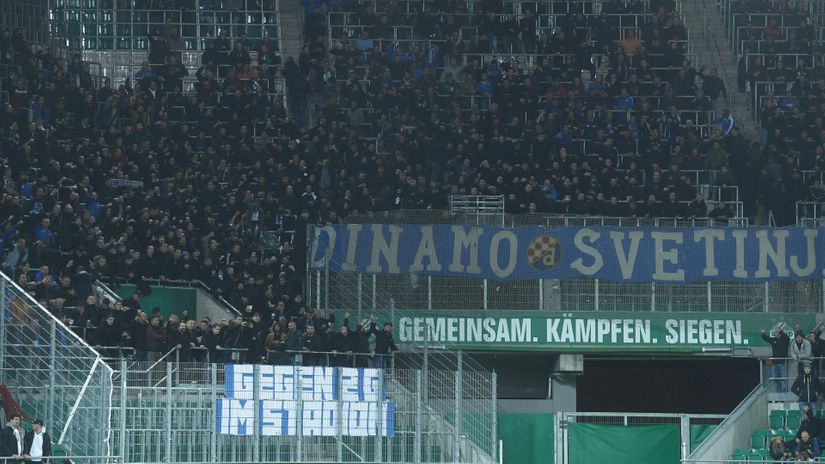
pixel 168 353
pixel 754 396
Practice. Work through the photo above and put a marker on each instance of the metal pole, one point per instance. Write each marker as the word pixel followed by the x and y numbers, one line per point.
pixel 653 296
pixel 168 417
pixel 485 294
pixel 684 429
pixel 457 412
pixel 123 393
pixel 541 295
pixel 494 418
pixel 419 405
pixel 360 291
pixel 429 292
pixel 3 331
pixel 767 294
pixel 52 370
pixel 213 437
pixel 374 291
pixel 710 298
pixel 256 432
pixel 299 423
pixel 318 289
pixel 339 449
pixel 326 281
pixel 379 420
pixel 596 294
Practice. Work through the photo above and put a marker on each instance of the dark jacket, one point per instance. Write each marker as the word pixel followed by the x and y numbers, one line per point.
pixel 108 335
pixel 341 343
pixel 212 342
pixel 807 387
pixel 810 426
pixel 779 345
pixel 47 444
pixel 8 443
pixel 294 341
pixel 384 341
pixel 156 339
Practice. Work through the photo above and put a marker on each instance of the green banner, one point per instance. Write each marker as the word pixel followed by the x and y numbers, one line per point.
pixel 586 331
pixel 527 438
pixel 616 444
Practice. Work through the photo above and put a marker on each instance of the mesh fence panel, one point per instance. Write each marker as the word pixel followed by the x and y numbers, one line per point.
pixel 53 374
pixel 168 414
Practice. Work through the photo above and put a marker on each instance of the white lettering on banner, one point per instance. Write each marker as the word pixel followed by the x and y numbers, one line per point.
pixel 426 249
pixel 739 236
pixel 353 230
pixel 578 242
pixel 465 240
pixel 330 231
pixel 776 254
pixel 571 331
pixel 671 256
pixel 495 243
pixel 320 418
pixel 465 330
pixel 708 236
pixel 598 331
pixel 627 262
pixel 586 328
pixel 704 331
pixel 810 255
pixel 389 251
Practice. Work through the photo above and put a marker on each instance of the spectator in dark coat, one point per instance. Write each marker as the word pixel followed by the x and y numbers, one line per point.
pixel 780 344
pixel 384 344
pixel 11 441
pixel 156 339
pixel 341 345
pixel 807 388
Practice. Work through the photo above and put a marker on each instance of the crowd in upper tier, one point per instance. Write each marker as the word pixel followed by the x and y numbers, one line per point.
pixel 214 173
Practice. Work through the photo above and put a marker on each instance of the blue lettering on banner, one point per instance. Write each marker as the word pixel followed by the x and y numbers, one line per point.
pixel 619 254
pixel 355 410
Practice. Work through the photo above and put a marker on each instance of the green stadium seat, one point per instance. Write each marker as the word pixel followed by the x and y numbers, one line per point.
pixel 793 419
pixel 777 419
pixel 759 438
pixel 758 456
pixel 740 457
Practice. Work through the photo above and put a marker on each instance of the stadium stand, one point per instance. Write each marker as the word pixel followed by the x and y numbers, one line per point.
pixel 174 170
pixel 177 142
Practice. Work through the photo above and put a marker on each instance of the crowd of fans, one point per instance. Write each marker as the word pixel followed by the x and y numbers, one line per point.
pixel 483 103
pixel 178 175
pixel 305 337
pixel 781 66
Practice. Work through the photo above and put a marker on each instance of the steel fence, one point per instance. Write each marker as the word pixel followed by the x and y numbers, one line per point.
pixel 53 374
pixel 167 412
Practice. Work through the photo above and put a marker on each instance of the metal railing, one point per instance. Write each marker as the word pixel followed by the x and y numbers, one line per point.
pixel 163 416
pixel 53 374
pixel 101 25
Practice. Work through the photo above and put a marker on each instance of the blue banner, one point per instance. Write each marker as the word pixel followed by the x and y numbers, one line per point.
pixel 619 254
pixel 329 401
